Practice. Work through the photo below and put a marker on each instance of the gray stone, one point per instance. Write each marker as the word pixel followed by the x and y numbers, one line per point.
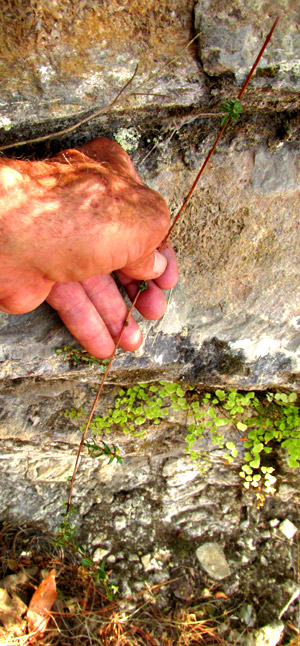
pixel 149 563
pixel 120 522
pixel 275 172
pixel 66 76
pixel 230 39
pixel 99 554
pixel 248 615
pixel 212 558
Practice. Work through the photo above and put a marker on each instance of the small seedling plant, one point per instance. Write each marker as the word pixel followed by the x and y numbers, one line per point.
pixel 66 538
pixel 79 356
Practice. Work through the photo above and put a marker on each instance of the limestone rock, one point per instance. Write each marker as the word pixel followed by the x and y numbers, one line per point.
pixel 230 36
pixel 234 318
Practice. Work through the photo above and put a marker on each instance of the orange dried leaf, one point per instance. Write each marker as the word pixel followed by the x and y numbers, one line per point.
pixel 221 595
pixel 38 613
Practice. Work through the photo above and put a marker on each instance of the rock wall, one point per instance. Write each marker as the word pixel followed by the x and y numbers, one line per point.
pixel 233 320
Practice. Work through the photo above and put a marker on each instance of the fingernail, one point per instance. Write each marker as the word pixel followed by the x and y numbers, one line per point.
pixel 160 263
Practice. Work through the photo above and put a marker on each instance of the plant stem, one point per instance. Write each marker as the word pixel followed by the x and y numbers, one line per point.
pixel 213 148
pixel 96 401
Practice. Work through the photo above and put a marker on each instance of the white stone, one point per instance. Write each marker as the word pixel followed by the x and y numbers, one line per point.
pixel 179 472
pixel 212 558
pixel 120 522
pixel 99 554
pixel 149 563
pixel 287 528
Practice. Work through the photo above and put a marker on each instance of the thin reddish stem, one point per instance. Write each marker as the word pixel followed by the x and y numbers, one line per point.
pixel 96 401
pixel 213 148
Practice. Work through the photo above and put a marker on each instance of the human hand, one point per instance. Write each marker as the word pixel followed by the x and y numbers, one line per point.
pixel 97 217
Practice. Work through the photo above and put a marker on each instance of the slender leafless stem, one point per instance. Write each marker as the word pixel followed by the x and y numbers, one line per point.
pixel 97 113
pixel 78 123
pixel 96 401
pixel 213 148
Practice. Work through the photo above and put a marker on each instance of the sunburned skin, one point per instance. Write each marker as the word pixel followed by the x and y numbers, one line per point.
pixel 66 224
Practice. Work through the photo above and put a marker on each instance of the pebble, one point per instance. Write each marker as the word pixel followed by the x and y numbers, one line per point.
pixel 99 554
pixel 212 558
pixel 149 563
pixel 263 560
pixel 120 522
pixel 248 614
pixel 288 529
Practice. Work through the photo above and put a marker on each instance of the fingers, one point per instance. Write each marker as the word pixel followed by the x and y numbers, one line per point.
pixel 151 302
pixel 81 318
pixel 23 292
pixel 94 312
pixel 161 266
pixel 170 276
pixel 106 298
pixel 148 267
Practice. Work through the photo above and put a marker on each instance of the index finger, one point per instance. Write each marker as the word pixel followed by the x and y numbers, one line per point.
pixel 169 278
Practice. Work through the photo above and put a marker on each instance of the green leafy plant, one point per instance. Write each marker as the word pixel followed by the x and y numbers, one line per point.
pixel 143 286
pixel 264 421
pixel 132 411
pixel 66 539
pixel 78 356
pixel 96 451
pixel 231 109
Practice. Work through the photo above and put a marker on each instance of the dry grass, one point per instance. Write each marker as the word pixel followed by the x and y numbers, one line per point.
pixel 82 614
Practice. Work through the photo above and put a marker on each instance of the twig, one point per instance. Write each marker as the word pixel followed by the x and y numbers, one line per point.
pixel 161 246
pixel 97 113
pixel 76 125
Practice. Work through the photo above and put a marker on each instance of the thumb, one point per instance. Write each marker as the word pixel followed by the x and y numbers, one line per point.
pixel 149 267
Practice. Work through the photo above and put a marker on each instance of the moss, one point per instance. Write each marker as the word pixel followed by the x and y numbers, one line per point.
pixel 267 72
pixel 128 138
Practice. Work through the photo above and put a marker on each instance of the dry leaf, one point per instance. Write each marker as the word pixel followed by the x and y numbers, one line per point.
pixel 40 605
pixel 220 595
pixel 12 609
